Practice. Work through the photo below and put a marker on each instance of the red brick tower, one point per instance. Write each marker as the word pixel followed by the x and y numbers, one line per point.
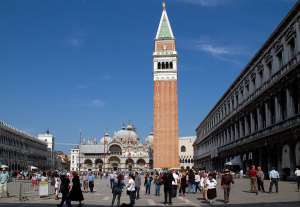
pixel 165 141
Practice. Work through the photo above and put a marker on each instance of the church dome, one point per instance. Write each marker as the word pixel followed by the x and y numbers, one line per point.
pixel 149 139
pixel 127 135
pixel 106 139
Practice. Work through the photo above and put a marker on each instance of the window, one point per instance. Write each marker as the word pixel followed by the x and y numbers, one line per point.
pixel 269 66
pixel 292 48
pixel 261 76
pixel 171 65
pixel 163 65
pixel 167 65
pixel 279 59
pixel 159 65
pixel 183 149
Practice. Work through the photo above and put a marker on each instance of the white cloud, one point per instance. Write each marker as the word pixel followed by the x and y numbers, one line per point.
pixel 97 103
pixel 205 3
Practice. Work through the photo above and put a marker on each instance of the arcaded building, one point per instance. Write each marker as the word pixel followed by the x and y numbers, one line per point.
pixel 257 120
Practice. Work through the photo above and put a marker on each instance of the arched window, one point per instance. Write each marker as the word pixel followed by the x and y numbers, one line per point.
pixel 183 149
pixel 167 65
pixel 163 65
pixel 159 65
pixel 171 65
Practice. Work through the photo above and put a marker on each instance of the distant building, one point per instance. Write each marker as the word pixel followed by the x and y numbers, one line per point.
pixel 20 150
pixel 257 120
pixel 74 159
pixel 49 138
pixel 186 151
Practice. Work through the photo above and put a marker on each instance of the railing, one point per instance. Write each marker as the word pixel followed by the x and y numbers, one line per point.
pixel 24 189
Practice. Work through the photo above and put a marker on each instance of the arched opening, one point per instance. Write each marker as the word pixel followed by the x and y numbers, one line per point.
pixel 115 149
pixel 114 162
pixel 129 164
pixel 99 164
pixel 88 164
pixel 163 65
pixel 151 164
pixel 141 163
pixel 183 148
pixel 167 65
pixel 171 65
pixel 159 65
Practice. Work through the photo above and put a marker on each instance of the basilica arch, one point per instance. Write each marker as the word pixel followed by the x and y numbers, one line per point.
pixel 99 164
pixel 115 149
pixel 141 163
pixel 114 162
pixel 88 164
pixel 129 164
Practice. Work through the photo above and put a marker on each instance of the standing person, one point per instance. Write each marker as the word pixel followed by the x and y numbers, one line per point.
pixel 117 190
pixel 138 182
pixel 85 182
pixel 183 183
pixel 211 188
pixel 56 185
pixel 4 176
pixel 197 182
pixel 253 180
pixel 91 179
pixel 175 184
pixel 157 183
pixel 75 192
pixel 241 173
pixel 64 189
pixel 226 182
pixel 147 184
pixel 274 179
pixel 167 181
pixel 203 184
pixel 111 179
pixel 191 181
pixel 297 173
pixel 34 182
pixel 260 179
pixel 131 190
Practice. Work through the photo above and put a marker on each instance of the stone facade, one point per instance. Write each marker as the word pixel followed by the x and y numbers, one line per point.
pixel 20 150
pixel 165 143
pixel 186 151
pixel 257 120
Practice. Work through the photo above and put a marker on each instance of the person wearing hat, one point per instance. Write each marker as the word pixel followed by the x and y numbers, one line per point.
pixel 226 182
pixel 4 176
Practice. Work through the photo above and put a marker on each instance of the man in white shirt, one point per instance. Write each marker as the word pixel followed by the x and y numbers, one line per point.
pixel 274 179
pixel 175 183
pixel 297 173
pixel 197 181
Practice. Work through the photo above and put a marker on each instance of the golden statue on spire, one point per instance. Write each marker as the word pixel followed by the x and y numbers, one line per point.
pixel 164 4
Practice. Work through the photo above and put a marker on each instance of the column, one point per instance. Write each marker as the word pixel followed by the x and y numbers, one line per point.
pixel 268 114
pixel 297 41
pixel 236 130
pixel 285 55
pixel 241 128
pixel 277 110
pixel 252 124
pixel 246 126
pixel 259 119
pixel 289 103
pixel 231 133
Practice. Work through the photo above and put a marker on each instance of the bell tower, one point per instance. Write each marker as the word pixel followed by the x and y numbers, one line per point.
pixel 165 118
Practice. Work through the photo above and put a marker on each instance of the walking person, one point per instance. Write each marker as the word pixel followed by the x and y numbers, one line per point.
pixel 147 184
pixel 191 181
pixel 183 184
pixel 138 181
pixel 4 177
pixel 167 181
pixel 197 182
pixel 85 183
pixel 56 185
pixel 131 190
pixel 260 179
pixel 274 179
pixel 253 180
pixel 157 183
pixel 203 184
pixel 297 173
pixel 226 182
pixel 211 188
pixel 75 191
pixel 64 189
pixel 117 190
pixel 91 180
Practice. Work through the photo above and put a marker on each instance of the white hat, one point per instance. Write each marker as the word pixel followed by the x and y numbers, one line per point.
pixel 3 166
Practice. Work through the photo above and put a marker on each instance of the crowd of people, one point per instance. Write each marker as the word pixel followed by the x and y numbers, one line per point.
pixel 71 185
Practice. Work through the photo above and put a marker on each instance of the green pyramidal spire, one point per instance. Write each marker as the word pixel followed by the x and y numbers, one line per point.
pixel 164 30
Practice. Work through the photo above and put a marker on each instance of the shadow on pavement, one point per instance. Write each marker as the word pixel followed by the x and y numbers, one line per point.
pixel 278 204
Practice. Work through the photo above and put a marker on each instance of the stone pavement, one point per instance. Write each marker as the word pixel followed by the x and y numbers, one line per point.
pixel 240 196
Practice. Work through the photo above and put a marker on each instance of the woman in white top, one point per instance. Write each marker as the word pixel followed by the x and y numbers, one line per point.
pixel 56 185
pixel 211 184
pixel 203 185
pixel 131 189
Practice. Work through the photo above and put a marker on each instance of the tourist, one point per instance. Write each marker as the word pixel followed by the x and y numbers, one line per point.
pixel 226 182
pixel 56 185
pixel 34 182
pixel 138 182
pixel 91 179
pixel 241 173
pixel 253 180
pixel 85 182
pixel 111 179
pixel 131 190
pixel 297 173
pixel 197 182
pixel 117 190
pixel 182 183
pixel 4 176
pixel 260 179
pixel 75 192
pixel 64 189
pixel 211 188
pixel 191 181
pixel 175 184
pixel 274 179
pixel 167 181
pixel 147 183
pixel 203 185
pixel 157 183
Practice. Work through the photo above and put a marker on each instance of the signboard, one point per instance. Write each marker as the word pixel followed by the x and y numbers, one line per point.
pixel 43 188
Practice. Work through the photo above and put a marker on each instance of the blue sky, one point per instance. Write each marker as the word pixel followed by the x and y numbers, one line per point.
pixel 87 64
